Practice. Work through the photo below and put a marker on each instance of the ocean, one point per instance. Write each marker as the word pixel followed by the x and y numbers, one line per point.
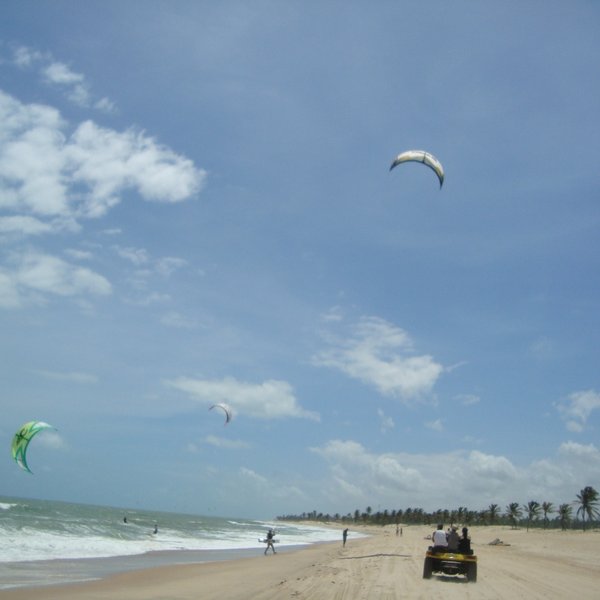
pixel 45 542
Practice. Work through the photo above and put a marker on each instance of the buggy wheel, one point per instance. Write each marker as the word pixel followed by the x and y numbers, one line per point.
pixel 427 567
pixel 472 572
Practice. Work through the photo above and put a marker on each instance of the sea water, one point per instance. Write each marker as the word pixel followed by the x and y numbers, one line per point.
pixel 44 542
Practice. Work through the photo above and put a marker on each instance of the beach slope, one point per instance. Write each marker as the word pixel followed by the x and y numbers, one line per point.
pixel 528 564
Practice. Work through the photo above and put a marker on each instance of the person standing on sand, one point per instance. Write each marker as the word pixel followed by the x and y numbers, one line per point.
pixel 270 536
pixel 345 536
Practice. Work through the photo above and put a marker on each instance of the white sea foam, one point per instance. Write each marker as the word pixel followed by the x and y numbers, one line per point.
pixel 35 530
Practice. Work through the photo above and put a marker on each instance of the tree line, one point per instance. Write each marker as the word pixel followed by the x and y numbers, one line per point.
pixel 531 514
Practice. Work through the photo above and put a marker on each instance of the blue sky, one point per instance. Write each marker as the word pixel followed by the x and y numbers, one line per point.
pixel 196 207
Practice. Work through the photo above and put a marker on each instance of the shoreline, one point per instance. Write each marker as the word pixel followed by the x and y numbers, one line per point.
pixel 70 571
pixel 535 564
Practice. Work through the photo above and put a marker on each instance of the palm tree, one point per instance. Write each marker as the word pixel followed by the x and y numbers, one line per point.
pixel 547 507
pixel 564 514
pixel 493 511
pixel 588 503
pixel 514 513
pixel 533 511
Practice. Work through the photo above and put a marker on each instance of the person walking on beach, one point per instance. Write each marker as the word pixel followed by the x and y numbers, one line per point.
pixel 270 536
pixel 345 535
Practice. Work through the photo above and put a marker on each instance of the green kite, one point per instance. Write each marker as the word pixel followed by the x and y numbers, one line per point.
pixel 21 441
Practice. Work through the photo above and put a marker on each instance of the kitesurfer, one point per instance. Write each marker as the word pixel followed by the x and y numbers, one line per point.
pixel 345 536
pixel 269 540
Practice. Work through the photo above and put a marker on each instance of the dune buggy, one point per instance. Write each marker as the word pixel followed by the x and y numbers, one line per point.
pixel 450 563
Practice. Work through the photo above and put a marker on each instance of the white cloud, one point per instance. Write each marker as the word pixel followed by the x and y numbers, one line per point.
pixel 33 273
pixel 491 467
pixel 79 254
pixel 137 256
pixel 579 451
pixel 382 355
pixel 50 274
pixel 254 477
pixel 105 105
pixel 473 479
pixel 169 264
pixel 578 407
pixel 386 423
pixel 60 179
pixel 271 399
pixel 467 399
pixel 25 57
pixel 436 425
pixel 60 73
pixel 24 225
pixel 9 294
pixel 52 440
pixel 351 463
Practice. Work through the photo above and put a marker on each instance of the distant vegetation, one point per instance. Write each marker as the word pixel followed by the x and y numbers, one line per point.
pixel 532 514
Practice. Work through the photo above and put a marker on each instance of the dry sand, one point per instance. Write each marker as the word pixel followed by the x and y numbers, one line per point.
pixel 532 565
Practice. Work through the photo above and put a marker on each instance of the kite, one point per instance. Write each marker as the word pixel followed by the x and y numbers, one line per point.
pixel 424 157
pixel 21 441
pixel 225 409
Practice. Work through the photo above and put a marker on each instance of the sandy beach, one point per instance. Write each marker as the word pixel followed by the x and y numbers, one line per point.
pixel 530 564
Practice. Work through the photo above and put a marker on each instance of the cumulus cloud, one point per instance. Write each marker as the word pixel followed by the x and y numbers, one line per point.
pixel 367 473
pixel 577 408
pixel 271 399
pixel 56 179
pixel 32 275
pixel 452 479
pixel 382 355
